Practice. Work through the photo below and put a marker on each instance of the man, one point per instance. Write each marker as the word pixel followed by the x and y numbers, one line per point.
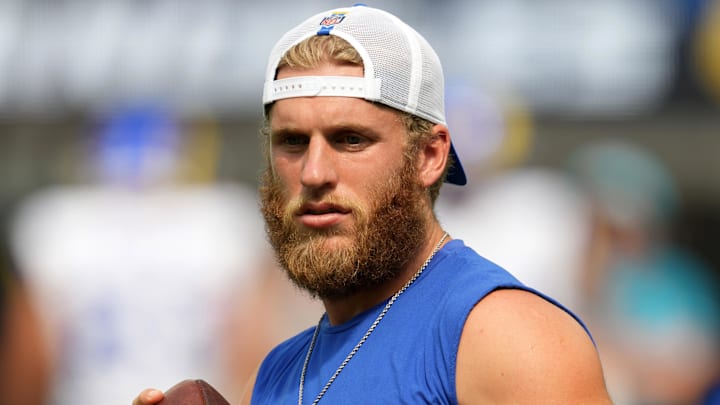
pixel 357 149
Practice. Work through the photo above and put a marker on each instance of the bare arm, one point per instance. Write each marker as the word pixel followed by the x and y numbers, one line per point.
pixel 25 369
pixel 518 348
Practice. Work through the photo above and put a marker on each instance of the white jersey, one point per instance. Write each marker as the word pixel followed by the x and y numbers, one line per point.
pixel 137 286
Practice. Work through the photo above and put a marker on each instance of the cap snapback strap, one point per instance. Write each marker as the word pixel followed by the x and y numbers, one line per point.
pixel 318 86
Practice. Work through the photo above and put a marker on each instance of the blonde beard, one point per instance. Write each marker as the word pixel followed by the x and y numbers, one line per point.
pixel 381 241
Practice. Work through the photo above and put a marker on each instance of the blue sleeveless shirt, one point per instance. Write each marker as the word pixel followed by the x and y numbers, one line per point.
pixel 410 358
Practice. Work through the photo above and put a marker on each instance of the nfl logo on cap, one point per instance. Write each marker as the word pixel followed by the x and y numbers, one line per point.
pixel 330 21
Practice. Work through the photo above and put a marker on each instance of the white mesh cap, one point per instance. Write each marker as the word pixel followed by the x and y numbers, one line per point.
pixel 402 70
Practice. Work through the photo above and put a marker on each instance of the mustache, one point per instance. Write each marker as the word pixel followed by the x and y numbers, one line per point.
pixel 308 204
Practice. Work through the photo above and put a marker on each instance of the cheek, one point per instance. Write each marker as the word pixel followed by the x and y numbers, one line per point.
pixel 286 174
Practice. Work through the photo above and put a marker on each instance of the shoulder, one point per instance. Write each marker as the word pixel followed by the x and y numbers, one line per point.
pixel 518 347
pixel 285 351
pixel 278 369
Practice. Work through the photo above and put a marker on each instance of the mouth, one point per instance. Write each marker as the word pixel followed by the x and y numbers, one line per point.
pixel 322 208
pixel 321 215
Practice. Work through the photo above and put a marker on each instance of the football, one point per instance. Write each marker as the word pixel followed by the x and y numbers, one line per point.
pixel 193 392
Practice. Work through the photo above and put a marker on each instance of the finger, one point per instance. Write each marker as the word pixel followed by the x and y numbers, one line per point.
pixel 148 396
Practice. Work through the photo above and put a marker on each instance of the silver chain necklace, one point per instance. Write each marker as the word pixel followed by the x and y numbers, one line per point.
pixel 365 336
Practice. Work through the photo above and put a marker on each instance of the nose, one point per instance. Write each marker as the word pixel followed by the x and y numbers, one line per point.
pixel 319 170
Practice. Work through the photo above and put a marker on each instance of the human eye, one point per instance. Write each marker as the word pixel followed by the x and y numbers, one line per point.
pixel 351 140
pixel 294 140
pixel 290 140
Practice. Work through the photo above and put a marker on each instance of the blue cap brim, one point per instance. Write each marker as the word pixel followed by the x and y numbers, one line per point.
pixel 456 174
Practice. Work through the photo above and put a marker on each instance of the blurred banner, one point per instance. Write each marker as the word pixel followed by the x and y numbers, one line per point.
pixel 564 58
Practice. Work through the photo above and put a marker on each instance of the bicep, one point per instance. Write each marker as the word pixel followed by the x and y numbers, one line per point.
pixel 518 347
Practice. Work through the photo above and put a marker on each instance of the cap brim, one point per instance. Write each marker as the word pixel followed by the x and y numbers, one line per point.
pixel 456 174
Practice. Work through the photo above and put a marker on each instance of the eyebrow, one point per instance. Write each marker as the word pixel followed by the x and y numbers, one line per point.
pixel 329 130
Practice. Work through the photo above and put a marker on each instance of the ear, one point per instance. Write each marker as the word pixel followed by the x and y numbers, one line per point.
pixel 434 155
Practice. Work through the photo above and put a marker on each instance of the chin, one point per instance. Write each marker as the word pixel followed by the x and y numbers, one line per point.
pixel 336 241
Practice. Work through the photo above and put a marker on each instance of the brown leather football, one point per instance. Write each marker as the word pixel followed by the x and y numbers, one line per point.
pixel 193 392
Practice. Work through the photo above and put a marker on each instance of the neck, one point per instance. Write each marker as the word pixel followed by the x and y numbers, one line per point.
pixel 340 310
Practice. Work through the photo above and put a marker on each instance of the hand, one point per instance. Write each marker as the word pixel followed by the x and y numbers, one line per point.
pixel 148 396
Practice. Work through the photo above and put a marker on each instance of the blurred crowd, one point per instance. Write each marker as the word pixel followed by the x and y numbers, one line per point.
pixel 152 267
pixel 156 272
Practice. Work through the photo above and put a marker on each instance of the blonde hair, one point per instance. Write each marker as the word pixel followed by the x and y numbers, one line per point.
pixel 317 50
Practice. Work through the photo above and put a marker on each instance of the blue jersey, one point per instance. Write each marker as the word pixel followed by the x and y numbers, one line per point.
pixel 410 358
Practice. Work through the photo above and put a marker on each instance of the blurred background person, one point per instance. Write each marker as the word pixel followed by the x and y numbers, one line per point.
pixel 142 275
pixel 530 219
pixel 25 361
pixel 655 303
